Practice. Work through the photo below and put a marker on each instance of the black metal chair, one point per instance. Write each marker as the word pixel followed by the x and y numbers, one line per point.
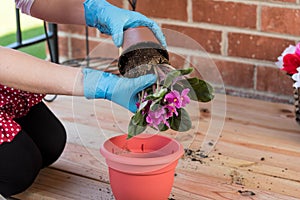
pixel 50 36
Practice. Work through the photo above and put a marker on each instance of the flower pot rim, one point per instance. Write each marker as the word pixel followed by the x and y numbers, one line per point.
pixel 143 161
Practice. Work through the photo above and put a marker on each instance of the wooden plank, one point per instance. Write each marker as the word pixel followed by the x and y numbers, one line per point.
pixel 81 161
pixel 206 187
pixel 246 174
pixel 55 184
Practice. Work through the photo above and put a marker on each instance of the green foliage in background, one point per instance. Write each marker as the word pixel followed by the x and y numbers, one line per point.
pixel 37 50
pixel 30 27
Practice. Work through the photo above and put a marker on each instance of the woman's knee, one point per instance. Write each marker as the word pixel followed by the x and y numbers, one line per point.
pixel 20 164
pixel 47 132
pixel 53 150
pixel 17 181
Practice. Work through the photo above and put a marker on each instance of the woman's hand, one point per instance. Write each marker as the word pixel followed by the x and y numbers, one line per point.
pixel 123 91
pixel 113 21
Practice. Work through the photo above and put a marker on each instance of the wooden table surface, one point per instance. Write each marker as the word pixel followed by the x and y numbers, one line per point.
pixel 253 145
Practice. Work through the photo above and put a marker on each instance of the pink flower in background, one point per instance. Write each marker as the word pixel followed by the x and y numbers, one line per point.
pixel 290 63
pixel 289 60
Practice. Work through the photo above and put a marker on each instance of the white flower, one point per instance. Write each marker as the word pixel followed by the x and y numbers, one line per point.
pixel 289 50
pixel 296 78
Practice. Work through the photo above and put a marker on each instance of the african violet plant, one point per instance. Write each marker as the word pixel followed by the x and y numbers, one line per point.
pixel 162 106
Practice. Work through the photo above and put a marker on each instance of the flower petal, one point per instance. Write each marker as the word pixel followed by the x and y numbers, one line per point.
pixel 290 63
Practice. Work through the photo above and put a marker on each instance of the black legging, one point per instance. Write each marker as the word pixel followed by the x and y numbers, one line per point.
pixel 39 144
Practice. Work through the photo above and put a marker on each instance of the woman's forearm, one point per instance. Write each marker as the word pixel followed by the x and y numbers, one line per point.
pixel 59 11
pixel 25 72
pixel 36 75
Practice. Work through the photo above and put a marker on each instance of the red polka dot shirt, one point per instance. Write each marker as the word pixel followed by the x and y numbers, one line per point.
pixel 14 103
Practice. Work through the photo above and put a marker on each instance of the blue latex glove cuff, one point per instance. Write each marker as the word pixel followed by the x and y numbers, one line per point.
pixel 95 84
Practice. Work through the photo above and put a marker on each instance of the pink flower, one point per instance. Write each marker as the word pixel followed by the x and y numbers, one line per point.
pixel 289 60
pixel 156 117
pixel 184 97
pixel 290 63
pixel 171 109
pixel 179 101
pixel 174 98
pixel 137 105
pixel 289 50
pixel 297 51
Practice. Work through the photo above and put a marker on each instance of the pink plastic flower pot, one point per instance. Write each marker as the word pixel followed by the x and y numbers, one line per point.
pixel 143 167
pixel 133 36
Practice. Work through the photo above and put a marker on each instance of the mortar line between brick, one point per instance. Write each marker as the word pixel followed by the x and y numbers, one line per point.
pixel 255 78
pixel 125 4
pixel 189 10
pixel 82 37
pixel 97 34
pixel 69 46
pixel 272 4
pixel 260 95
pixel 232 29
pixel 258 18
pixel 221 57
pixel 224 43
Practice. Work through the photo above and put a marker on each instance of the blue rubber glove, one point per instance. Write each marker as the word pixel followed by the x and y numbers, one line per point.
pixel 112 20
pixel 123 91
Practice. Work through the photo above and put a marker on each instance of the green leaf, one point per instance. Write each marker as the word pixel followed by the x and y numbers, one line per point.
pixel 135 128
pixel 185 71
pixel 182 122
pixel 202 89
pixel 138 118
pixel 163 127
pixel 170 77
pixel 161 93
pixel 149 90
pixel 155 106
pixel 179 86
pixel 158 94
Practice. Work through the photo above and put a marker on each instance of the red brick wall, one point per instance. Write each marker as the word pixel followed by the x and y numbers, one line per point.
pixel 243 38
